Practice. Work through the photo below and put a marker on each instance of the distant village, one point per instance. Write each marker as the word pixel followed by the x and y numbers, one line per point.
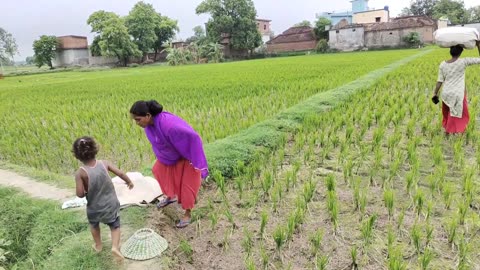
pixel 360 28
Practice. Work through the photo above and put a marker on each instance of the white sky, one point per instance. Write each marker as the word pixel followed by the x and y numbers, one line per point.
pixel 29 19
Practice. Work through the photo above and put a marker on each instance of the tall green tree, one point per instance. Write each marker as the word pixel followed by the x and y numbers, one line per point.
pixel 320 25
pixel 44 49
pixel 199 35
pixel 420 7
pixel 112 37
pixel 454 10
pixel 303 23
pixel 165 30
pixel 234 19
pixel 8 46
pixel 474 14
pixel 141 23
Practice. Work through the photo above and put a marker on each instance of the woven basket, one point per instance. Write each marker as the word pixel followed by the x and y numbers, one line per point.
pixel 143 245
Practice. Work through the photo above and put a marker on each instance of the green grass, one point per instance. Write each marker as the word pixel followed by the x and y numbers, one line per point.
pixel 45 237
pixel 43 114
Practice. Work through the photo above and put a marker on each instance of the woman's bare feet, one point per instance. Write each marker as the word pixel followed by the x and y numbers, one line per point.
pixel 97 249
pixel 117 254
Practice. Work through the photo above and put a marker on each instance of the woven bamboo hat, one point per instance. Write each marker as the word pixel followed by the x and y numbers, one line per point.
pixel 144 244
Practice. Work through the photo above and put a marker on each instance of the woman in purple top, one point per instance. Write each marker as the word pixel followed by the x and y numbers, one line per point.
pixel 181 164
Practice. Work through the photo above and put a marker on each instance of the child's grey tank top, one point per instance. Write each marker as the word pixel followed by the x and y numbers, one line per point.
pixel 102 202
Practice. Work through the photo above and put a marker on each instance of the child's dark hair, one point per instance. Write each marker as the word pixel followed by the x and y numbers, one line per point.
pixel 456 51
pixel 85 148
pixel 142 108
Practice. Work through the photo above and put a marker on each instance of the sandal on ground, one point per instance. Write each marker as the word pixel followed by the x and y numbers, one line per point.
pixel 183 223
pixel 165 202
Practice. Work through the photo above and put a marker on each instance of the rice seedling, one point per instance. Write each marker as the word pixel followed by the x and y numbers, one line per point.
pixel 309 190
pixel 426 258
pixel 322 262
pixel 363 202
pixel 263 222
pixel 401 218
pixel 451 228
pixel 265 257
pixel 267 182
pixel 249 263
pixel 447 194
pixel 280 238
pixel 240 182
pixel 367 229
pixel 463 256
pixel 462 211
pixel 316 241
pixel 419 200
pixel 395 260
pixel 186 249
pixel 330 182
pixel 416 235
pixel 430 208
pixel 332 206
pixel 388 198
pixel 354 256
pixel 247 242
pixel 356 193
pixel 347 170
pixel 213 219
pixel 429 234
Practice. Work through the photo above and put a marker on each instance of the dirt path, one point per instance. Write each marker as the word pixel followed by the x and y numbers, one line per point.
pixel 34 188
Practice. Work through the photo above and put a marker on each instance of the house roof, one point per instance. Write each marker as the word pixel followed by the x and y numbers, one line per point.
pixel 72 36
pixel 263 20
pixel 344 24
pixel 396 23
pixel 294 34
pixel 401 23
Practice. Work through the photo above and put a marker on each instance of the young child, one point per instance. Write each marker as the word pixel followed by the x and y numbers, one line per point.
pixel 93 181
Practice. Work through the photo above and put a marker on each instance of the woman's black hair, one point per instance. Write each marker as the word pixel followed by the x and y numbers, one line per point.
pixel 85 148
pixel 142 108
pixel 456 51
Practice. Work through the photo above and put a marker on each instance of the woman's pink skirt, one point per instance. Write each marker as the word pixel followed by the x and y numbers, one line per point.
pixel 454 124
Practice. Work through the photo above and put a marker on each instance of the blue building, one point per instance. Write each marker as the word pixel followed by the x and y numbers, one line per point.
pixel 335 17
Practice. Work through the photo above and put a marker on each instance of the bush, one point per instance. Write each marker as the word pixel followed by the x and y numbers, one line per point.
pixel 133 65
pixel 322 46
pixel 413 39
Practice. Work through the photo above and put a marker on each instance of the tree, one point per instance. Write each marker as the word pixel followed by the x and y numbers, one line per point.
pixel 232 19
pixel 113 38
pixel 141 23
pixel 420 7
pixel 454 10
pixel 165 29
pixel 413 39
pixel 214 52
pixel 319 29
pixel 303 23
pixel 8 46
pixel 30 60
pixel 473 14
pixel 199 35
pixel 44 49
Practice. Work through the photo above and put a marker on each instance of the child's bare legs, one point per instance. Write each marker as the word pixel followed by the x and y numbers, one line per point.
pixel 95 230
pixel 116 243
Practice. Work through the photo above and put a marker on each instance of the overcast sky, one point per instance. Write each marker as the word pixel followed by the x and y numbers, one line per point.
pixel 29 19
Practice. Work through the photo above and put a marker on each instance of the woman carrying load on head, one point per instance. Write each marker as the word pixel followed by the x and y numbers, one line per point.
pixel 181 163
pixel 451 76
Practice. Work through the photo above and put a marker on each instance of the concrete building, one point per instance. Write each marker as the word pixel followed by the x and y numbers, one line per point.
pixel 372 16
pixel 349 37
pixel 263 27
pixel 336 17
pixel 71 50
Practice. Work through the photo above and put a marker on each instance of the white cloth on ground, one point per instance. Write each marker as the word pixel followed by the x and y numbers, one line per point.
pixel 145 189
pixel 77 202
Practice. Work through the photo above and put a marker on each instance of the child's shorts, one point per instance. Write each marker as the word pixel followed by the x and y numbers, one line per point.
pixel 113 225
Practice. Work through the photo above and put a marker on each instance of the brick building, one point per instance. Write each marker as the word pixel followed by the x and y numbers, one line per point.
pixel 71 50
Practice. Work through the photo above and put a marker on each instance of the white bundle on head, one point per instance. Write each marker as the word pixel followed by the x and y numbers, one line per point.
pixel 451 36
